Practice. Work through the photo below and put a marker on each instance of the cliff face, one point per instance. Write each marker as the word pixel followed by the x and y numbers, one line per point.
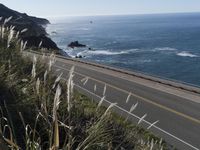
pixel 34 25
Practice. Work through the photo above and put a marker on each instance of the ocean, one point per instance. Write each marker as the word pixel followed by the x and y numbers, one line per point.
pixel 163 45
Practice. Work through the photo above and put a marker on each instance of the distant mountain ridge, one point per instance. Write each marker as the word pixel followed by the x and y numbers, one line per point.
pixel 35 26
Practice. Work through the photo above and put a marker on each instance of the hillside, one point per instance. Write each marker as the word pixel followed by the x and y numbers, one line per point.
pixel 35 26
pixel 18 17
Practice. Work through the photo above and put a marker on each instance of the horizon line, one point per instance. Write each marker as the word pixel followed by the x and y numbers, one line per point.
pixel 125 14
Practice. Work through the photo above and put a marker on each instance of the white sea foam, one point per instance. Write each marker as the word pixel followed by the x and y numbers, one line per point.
pixel 108 52
pixel 105 52
pixel 164 49
pixel 186 54
pixel 87 53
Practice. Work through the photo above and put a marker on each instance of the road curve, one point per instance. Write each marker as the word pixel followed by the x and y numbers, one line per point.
pixel 175 107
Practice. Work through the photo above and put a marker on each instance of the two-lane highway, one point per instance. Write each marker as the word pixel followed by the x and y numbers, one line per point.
pixel 177 110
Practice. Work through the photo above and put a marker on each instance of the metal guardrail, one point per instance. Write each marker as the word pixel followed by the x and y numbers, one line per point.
pixel 164 81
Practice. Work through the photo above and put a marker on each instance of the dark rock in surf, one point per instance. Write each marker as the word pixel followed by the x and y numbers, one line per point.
pixel 76 44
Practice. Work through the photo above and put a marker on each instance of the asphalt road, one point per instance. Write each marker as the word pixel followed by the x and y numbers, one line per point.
pixel 176 111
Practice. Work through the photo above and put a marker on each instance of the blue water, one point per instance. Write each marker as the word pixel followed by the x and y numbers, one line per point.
pixel 166 45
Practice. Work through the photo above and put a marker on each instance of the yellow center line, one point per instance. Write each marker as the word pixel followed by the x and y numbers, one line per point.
pixel 141 98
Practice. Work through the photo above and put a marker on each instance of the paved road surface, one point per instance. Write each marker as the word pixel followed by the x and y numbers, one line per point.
pixel 177 110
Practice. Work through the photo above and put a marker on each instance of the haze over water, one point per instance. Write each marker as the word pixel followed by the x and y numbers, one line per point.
pixel 165 45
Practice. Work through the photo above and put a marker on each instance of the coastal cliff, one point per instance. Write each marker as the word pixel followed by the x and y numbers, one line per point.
pixel 35 27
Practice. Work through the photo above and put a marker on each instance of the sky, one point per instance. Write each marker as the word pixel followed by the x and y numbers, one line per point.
pixel 55 8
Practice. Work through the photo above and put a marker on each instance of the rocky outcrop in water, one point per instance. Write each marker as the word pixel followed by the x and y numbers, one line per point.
pixel 76 44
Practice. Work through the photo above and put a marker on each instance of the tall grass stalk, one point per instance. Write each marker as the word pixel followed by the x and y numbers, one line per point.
pixel 55 120
pixel 45 77
pixel 7 20
pixel 85 80
pixel 33 72
pixel 100 102
pixel 10 36
pixel 133 107
pixel 38 86
pixel 151 125
pixel 104 90
pixel 95 88
pixel 70 86
pixel 57 80
pixel 40 44
pixel 128 98
pixel 24 30
pixel 141 119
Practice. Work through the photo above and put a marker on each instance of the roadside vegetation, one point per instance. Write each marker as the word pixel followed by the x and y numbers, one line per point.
pixel 41 111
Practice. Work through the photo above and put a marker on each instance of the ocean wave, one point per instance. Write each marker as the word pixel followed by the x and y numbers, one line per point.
pixel 106 52
pixel 146 61
pixel 186 54
pixel 70 54
pixel 81 29
pixel 164 49
pixel 110 43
